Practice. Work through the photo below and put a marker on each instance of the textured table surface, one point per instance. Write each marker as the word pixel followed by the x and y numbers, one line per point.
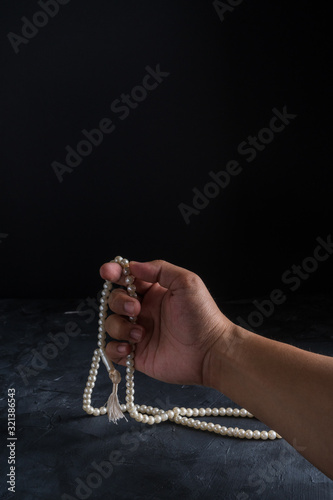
pixel 62 453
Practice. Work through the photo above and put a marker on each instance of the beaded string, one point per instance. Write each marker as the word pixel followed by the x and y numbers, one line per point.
pixel 148 414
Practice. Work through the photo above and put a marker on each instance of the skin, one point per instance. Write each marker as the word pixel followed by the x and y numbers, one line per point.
pixel 182 337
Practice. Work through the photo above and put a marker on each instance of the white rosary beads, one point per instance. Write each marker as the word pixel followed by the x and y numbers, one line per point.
pixel 143 413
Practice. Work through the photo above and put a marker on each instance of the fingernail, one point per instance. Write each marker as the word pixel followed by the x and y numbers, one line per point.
pixel 129 307
pixel 122 348
pixel 136 334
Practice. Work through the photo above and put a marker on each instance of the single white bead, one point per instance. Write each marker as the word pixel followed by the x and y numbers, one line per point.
pixel 100 329
pixel 126 271
pixel 249 415
pixel 106 285
pixel 236 429
pixel 100 336
pixel 183 411
pixel 129 362
pixel 203 426
pixel 92 378
pixel 85 407
pixel 123 407
pixel 176 410
pixel 96 412
pixel 155 411
pixel 93 371
pixel 88 390
pixel 215 412
pixel 272 434
pixel 134 414
pixel 249 434
pixel 189 412
pixel 235 412
pixel 223 430
pixel 102 410
pixel 256 434
pixel 129 280
pixel 171 414
pixel 230 431
pixel 190 422
pixel 130 406
pixel 125 262
pixel 177 419
pixel 195 412
pixel 208 412
pixel 241 433
pixel 229 411
pixel 129 399
pixel 164 417
pixel 129 370
pixel 202 412
pixel 118 259
pixel 139 417
pixel 145 419
pixel 264 435
pixel 131 289
pixel 90 410
pixel 217 428
pixel 149 409
pixel 222 412
pixel 196 424
pixel 210 426
pixel 143 408
pixel 184 420
pixel 243 412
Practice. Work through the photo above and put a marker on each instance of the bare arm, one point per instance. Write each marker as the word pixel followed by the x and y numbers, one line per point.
pixel 182 337
pixel 289 389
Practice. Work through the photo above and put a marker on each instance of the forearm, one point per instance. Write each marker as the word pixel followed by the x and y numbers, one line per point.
pixel 288 389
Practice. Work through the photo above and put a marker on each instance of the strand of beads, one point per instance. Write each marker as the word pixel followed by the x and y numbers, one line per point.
pixel 148 414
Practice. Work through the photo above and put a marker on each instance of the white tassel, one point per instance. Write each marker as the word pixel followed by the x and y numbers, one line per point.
pixel 113 407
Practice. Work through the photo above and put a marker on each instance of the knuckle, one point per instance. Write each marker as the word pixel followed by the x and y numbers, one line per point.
pixel 189 280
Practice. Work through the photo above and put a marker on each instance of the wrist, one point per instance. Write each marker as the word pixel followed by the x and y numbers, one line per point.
pixel 223 355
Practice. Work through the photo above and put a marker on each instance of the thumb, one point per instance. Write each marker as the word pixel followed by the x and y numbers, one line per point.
pixel 162 272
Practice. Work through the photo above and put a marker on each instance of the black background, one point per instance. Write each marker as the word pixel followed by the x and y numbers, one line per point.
pixel 225 78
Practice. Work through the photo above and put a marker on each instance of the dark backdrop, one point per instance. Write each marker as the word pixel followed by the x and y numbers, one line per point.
pixel 228 67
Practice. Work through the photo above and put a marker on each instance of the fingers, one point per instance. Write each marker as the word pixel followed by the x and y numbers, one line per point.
pixel 121 329
pixel 112 271
pixel 162 272
pixel 121 303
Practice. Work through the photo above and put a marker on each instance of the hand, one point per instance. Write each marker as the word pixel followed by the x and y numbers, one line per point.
pixel 178 321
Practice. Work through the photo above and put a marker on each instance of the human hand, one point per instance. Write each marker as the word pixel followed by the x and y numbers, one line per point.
pixel 178 321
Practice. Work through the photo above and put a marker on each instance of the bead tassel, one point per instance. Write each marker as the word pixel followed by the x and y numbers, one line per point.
pixel 148 414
